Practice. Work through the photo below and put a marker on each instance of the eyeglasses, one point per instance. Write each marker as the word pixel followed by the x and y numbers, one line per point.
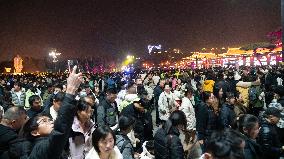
pixel 45 120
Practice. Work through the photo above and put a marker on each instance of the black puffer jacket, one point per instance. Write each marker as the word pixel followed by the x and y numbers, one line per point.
pixel 174 146
pixel 51 147
pixel 269 141
pixel 252 149
pixel 206 121
pixel 227 116
pixel 7 135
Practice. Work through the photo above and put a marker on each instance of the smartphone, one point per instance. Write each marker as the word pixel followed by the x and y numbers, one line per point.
pixel 72 63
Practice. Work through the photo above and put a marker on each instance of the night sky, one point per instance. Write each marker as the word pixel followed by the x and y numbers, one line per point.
pixel 118 27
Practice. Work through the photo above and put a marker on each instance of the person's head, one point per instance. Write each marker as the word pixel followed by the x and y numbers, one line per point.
pixel 15 117
pixel 239 97
pixel 138 81
pixel 96 89
pixel 17 87
pixel 167 88
pixel 249 125
pixel 126 123
pixel 140 104
pixel 131 87
pixel 58 88
pixel 208 97
pixel 103 140
pixel 218 92
pixel 272 115
pixel 35 102
pixel 227 144
pixel 57 100
pixel 188 92
pixel 162 83
pixel 84 110
pixel 178 119
pixel 38 126
pixel 111 95
pixel 279 92
pixel 230 98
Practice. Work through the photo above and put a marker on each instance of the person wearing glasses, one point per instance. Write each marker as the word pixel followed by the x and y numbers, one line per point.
pixel 49 138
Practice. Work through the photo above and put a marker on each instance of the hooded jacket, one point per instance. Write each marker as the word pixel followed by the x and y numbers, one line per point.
pixel 208 86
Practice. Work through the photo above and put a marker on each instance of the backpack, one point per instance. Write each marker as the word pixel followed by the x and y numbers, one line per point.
pixel 125 142
pixel 254 93
pixel 162 142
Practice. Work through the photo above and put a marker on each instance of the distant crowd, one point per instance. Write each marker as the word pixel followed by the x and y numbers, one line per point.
pixel 215 113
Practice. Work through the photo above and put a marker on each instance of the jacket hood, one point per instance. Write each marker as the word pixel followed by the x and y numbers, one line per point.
pixel 131 97
pixel 207 82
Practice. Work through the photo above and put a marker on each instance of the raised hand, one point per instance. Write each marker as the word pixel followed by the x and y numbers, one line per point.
pixel 73 81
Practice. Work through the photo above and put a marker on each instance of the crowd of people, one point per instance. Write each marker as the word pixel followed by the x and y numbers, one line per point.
pixel 215 113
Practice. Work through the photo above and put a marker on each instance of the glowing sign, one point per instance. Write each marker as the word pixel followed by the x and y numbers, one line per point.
pixel 154 47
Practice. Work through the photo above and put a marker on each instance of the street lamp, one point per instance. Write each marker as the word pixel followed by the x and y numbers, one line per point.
pixel 54 55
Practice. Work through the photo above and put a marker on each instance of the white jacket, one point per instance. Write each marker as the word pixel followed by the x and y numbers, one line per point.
pixel 167 104
pixel 115 154
pixel 187 108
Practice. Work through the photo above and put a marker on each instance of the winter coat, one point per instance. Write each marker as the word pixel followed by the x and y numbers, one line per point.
pixel 174 143
pixel 16 101
pixel 115 154
pixel 269 140
pixel 187 108
pixel 143 122
pixel 80 143
pixel 7 135
pixel 251 149
pixel 107 113
pixel 124 145
pixel 208 86
pixel 157 92
pixel 227 116
pixel 206 121
pixel 32 112
pixel 51 147
pixel 167 104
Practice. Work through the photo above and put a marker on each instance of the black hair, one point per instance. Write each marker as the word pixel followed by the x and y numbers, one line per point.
pixel 111 91
pixel 225 145
pixel 30 126
pixel 178 117
pixel 206 95
pixel 188 91
pixel 247 121
pixel 18 84
pixel 59 97
pixel 125 122
pixel 101 133
pixel 33 98
pixel 58 85
pixel 216 90
pixel 229 95
pixel 82 105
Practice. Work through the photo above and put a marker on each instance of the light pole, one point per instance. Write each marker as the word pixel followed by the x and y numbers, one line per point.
pixel 54 55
